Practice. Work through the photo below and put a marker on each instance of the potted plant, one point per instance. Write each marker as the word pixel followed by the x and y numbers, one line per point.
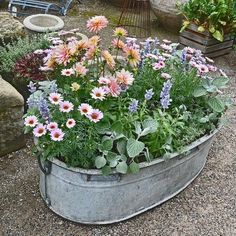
pixel 121 129
pixel 208 25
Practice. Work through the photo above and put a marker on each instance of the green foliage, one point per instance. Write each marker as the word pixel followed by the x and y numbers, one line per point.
pixel 216 16
pixel 11 52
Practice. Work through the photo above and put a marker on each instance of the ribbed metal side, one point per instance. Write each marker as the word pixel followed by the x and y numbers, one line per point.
pixel 86 196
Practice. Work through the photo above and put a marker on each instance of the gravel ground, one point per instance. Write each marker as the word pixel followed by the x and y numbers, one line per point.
pixel 206 207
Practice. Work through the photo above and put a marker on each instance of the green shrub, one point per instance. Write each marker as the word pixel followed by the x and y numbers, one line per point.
pixel 11 52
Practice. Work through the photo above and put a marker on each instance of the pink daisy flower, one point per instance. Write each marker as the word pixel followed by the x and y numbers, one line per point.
pixel 31 121
pixel 124 77
pixel 66 106
pixel 52 125
pixel 212 68
pixel 85 109
pixel 97 23
pixel 202 68
pixel 189 50
pixel 67 72
pixel 159 65
pixel 193 63
pixel 57 135
pixel 55 98
pixel 39 130
pixel 166 47
pixel 95 116
pixel 70 123
pixel 98 93
pixel 165 75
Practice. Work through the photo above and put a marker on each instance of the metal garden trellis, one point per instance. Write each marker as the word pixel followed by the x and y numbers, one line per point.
pixel 135 17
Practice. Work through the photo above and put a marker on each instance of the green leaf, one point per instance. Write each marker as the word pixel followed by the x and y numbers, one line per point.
pixel 216 104
pixel 137 126
pixel 222 22
pixel 106 170
pixel 122 167
pixel 185 25
pixel 218 35
pixel 111 156
pixel 134 167
pixel 134 147
pixel 220 82
pixel 204 120
pixel 113 163
pixel 212 29
pixel 103 127
pixel 151 124
pixel 201 29
pixel 121 146
pixel 199 91
pixel 107 144
pixel 117 127
pixel 100 161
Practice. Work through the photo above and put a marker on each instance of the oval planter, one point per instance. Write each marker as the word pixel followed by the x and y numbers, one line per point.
pixel 86 196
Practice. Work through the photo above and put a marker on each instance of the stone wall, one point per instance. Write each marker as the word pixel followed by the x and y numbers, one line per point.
pixel 11 123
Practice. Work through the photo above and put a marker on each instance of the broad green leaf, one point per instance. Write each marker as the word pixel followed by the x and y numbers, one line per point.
pixel 117 127
pixel 218 35
pixel 113 163
pixel 107 144
pixel 201 28
pixel 134 167
pixel 137 126
pixel 134 147
pixel 204 119
pixel 111 156
pixel 103 127
pixel 106 170
pixel 199 91
pixel 150 123
pixel 212 29
pixel 100 161
pixel 185 25
pixel 121 146
pixel 122 167
pixel 222 22
pixel 216 104
pixel 220 82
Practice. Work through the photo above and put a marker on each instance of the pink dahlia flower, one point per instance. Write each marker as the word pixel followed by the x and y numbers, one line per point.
pixel 97 23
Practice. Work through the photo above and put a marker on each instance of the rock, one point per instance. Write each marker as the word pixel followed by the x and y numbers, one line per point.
pixel 166 13
pixel 11 122
pixel 10 27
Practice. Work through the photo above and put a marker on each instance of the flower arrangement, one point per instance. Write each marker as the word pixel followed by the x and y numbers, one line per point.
pixel 216 16
pixel 113 108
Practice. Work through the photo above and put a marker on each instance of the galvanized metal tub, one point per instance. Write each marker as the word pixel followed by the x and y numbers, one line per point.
pixel 86 196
